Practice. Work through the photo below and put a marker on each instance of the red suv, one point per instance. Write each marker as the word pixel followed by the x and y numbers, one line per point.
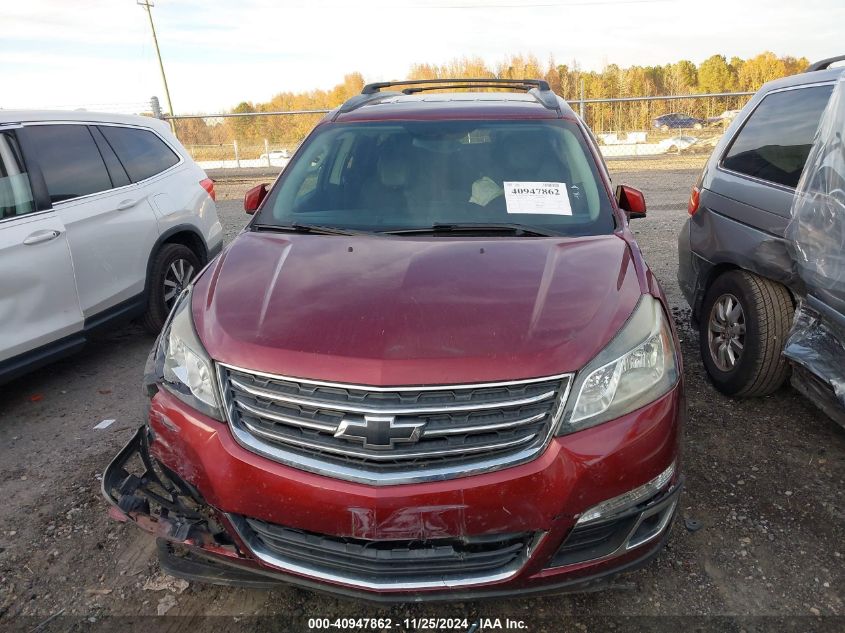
pixel 433 365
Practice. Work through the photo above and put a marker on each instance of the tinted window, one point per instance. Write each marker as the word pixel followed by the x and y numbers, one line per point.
pixel 116 171
pixel 15 192
pixel 394 175
pixel 69 159
pixel 142 153
pixel 775 141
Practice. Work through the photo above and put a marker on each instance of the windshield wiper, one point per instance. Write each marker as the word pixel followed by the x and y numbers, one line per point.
pixel 479 227
pixel 315 229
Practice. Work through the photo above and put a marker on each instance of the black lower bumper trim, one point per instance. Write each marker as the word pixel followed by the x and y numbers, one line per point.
pixel 196 567
pixel 611 536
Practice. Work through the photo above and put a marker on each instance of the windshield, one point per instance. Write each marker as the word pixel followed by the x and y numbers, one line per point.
pixel 405 175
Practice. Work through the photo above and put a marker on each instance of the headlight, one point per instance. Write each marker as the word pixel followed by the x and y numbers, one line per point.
pixel 182 364
pixel 636 368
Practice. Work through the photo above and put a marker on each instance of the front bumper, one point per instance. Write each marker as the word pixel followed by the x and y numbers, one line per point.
pixel 197 566
pixel 194 487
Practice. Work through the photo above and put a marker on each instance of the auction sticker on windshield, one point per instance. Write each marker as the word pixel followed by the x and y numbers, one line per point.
pixel 550 198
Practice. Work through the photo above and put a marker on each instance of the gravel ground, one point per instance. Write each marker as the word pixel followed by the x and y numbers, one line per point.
pixel 764 479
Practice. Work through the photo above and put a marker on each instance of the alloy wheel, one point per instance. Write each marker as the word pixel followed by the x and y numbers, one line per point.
pixel 726 332
pixel 178 276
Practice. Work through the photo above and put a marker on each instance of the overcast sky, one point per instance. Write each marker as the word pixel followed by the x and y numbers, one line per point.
pixel 99 53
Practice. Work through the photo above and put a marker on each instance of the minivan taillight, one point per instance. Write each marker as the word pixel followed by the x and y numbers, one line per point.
pixel 692 205
pixel 208 185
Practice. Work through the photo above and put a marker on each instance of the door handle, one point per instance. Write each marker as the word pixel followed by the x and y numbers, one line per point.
pixel 41 236
pixel 125 204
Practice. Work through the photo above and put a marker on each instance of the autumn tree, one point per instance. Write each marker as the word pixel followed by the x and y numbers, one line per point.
pixel 766 66
pixel 460 68
pixel 714 74
pixel 681 77
pixel 519 67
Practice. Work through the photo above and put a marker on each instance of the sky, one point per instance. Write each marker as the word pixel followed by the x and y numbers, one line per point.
pixel 98 54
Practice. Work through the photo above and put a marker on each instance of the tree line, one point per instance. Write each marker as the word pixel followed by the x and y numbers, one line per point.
pixel 716 74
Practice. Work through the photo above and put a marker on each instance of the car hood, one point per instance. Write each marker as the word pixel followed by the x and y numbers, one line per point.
pixel 414 310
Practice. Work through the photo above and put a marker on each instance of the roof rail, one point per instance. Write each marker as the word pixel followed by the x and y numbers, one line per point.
pixel 450 86
pixel 539 83
pixel 353 103
pixel 537 88
pixel 824 63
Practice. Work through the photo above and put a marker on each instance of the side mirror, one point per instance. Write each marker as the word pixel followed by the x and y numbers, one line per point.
pixel 254 197
pixel 631 201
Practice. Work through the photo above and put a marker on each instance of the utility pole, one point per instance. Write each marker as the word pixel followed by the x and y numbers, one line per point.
pixel 147 5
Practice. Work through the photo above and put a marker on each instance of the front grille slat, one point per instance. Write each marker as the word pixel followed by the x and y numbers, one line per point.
pixel 389 410
pixel 457 430
pixel 391 435
pixel 443 565
pixel 286 419
pixel 278 437
pixel 418 560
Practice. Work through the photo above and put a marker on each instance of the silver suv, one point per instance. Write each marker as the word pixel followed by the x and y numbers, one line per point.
pixel 735 266
pixel 102 217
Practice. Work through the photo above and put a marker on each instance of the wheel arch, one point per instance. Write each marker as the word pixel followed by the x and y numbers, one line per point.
pixel 725 267
pixel 707 280
pixel 184 234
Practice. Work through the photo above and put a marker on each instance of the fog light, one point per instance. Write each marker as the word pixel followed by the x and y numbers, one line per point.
pixel 628 499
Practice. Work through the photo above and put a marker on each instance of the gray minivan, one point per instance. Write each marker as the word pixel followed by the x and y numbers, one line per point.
pixel 735 268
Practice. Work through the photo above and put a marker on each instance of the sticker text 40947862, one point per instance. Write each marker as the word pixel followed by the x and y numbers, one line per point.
pixel 534 191
pixel 548 198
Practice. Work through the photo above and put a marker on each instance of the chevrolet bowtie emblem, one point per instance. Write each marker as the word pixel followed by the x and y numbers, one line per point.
pixel 379 432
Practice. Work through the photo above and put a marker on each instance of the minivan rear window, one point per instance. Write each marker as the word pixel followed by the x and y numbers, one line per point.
pixel 142 153
pixel 774 143
pixel 69 160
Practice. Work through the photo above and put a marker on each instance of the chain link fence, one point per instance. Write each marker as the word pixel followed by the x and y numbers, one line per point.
pixel 667 132
pixel 656 133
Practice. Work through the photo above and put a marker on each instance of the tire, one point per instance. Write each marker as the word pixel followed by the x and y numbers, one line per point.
pixel 760 327
pixel 166 282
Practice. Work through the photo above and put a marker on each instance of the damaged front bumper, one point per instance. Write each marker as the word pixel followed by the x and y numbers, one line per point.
pixel 134 482
pixel 199 541
pixel 193 543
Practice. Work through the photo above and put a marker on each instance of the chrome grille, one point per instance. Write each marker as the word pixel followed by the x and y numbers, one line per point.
pixel 388 564
pixel 391 435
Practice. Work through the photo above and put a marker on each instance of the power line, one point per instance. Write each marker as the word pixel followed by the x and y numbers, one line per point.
pixel 115 108
pixel 537 5
pixel 510 5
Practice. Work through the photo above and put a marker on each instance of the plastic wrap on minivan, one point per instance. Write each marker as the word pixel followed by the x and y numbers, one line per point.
pixel 816 240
